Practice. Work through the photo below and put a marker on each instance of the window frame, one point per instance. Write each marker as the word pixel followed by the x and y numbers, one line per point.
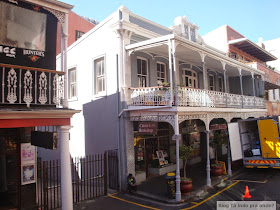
pixel 70 96
pixel 192 77
pixel 213 87
pixel 165 74
pixel 78 34
pixel 95 77
pixel 221 88
pixel 143 75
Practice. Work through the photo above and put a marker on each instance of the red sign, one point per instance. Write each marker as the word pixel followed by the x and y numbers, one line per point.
pixel 149 128
pixel 218 127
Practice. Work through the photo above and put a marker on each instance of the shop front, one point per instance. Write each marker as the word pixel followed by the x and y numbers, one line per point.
pixel 154 149
pixel 18 153
pixel 18 166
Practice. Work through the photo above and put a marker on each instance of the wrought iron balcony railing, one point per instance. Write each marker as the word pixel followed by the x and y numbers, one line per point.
pixel 30 86
pixel 190 97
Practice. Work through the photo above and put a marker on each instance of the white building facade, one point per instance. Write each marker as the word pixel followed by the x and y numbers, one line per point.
pixel 129 71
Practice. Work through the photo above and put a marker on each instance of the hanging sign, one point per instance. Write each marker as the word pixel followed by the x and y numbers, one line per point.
pixel 149 128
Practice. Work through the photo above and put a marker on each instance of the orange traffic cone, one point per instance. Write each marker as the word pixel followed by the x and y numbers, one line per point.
pixel 247 195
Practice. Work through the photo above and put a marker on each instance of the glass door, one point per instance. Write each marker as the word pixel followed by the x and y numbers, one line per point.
pixel 190 78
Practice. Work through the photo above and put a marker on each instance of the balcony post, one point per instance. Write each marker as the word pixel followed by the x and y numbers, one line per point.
pixel 204 71
pixel 241 86
pixel 65 162
pixel 170 72
pixel 254 91
pixel 177 138
pixel 225 81
pixel 64 38
pixel 229 160
pixel 175 70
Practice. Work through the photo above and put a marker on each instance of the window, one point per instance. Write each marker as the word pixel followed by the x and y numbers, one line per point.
pixel 100 75
pixel 72 83
pixel 79 34
pixel 161 72
pixel 142 72
pixel 193 34
pixel 22 28
pixel 190 78
pixel 221 84
pixel 211 82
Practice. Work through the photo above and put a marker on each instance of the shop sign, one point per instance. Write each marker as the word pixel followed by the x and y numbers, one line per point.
pixel 218 126
pixel 149 128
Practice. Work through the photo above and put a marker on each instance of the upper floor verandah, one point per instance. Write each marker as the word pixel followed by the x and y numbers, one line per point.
pixel 197 75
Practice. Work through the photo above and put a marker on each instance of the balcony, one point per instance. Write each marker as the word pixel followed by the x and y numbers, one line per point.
pixel 30 86
pixel 190 97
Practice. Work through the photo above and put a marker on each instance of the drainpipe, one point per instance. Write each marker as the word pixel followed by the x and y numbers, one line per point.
pixel 119 126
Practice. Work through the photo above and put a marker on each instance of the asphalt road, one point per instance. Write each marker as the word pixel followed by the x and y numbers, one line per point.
pixel 263 185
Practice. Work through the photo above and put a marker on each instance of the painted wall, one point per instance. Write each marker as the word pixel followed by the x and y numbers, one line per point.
pixel 95 127
pixel 152 68
pixel 217 38
pixel 273 46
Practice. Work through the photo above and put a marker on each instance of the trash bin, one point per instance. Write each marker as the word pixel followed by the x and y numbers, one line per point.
pixel 171 185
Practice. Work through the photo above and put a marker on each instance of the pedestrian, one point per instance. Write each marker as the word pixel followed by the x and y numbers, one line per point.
pixel 131 183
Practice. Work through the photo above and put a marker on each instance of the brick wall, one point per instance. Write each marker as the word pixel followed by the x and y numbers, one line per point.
pixel 233 34
pixel 75 22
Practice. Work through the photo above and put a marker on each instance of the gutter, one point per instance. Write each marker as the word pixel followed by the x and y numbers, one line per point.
pixel 146 108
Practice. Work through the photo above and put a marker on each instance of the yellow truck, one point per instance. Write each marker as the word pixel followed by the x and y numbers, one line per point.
pixel 256 141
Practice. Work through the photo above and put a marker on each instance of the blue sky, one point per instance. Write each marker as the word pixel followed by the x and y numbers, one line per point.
pixel 251 18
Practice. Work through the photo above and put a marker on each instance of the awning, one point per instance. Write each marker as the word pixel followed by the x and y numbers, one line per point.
pixel 253 49
pixel 270 86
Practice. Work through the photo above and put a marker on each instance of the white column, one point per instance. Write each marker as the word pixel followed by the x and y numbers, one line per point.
pixel 64 33
pixel 170 71
pixel 175 73
pixel 208 177
pixel 66 178
pixel 178 179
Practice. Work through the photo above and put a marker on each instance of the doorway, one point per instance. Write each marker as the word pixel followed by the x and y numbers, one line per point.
pixel 9 168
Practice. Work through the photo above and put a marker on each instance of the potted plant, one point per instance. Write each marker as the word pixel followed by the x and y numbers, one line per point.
pixel 185 152
pixel 217 142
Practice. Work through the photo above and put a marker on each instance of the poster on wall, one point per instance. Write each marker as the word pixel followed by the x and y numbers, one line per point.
pixel 28 163
pixel 28 174
pixel 160 156
pixel 27 153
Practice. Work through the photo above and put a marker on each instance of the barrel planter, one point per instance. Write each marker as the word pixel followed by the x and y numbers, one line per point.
pixel 217 170
pixel 186 186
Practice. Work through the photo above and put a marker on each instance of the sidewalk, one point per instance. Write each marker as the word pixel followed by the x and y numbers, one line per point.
pixel 156 188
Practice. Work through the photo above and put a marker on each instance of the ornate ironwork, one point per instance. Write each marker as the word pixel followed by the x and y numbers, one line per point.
pixel 27 98
pixel 12 86
pixel 43 88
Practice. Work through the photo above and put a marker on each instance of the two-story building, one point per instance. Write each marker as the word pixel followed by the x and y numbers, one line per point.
pixel 31 96
pixel 238 47
pixel 144 89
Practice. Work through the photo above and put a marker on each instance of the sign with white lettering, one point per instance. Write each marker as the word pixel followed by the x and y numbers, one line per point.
pixel 149 128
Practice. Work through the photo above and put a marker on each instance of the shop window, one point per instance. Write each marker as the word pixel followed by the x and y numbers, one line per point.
pixel 142 72
pixel 152 151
